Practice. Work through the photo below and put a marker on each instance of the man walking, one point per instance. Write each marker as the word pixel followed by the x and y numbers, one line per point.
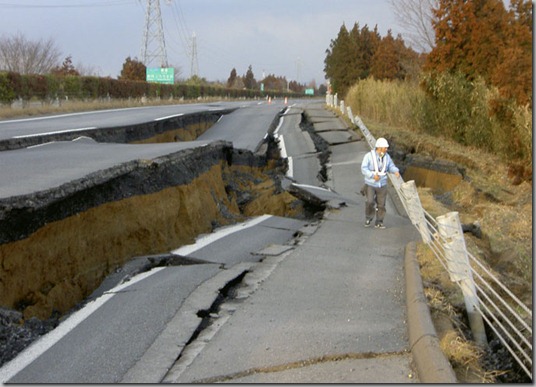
pixel 374 167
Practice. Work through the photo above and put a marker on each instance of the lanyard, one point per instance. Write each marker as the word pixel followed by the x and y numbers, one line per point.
pixel 375 160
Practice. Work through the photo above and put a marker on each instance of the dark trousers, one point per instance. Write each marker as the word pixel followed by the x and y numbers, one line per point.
pixel 375 204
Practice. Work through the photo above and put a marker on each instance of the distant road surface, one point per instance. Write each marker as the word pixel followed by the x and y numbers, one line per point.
pixel 72 122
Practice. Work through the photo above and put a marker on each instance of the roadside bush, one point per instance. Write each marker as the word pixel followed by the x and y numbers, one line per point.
pixel 119 89
pixel 458 109
pixel 34 86
pixel 522 131
pixel 155 90
pixel 49 87
pixel 193 91
pixel 53 86
pixel 450 105
pixel 7 95
pixel 167 91
pixel 105 87
pixel 15 81
pixel 90 87
pixel 72 86
pixel 136 89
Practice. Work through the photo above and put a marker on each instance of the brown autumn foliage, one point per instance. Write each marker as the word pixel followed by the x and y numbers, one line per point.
pixel 133 70
pixel 360 53
pixel 482 38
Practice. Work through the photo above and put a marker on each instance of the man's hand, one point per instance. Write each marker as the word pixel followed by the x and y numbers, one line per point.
pixel 376 177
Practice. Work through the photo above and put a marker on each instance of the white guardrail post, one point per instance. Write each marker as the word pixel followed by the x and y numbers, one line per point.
pixel 450 229
pixel 414 209
pixel 350 114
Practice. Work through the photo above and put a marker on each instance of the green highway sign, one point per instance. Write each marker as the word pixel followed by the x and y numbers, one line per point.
pixel 160 75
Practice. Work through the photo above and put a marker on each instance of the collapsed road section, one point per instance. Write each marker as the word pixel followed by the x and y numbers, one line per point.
pixel 185 126
pixel 85 209
pixel 59 243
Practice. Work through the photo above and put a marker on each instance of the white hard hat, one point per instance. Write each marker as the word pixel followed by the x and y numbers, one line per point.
pixel 382 143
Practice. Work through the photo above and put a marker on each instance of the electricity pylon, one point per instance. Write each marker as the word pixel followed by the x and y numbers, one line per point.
pixel 194 66
pixel 153 47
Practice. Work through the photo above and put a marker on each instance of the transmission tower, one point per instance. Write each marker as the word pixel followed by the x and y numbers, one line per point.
pixel 194 66
pixel 298 69
pixel 153 47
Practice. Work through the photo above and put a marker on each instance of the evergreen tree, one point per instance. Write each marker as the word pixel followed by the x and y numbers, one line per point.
pixel 133 70
pixel 367 45
pixel 359 53
pixel 296 87
pixel 452 26
pixel 513 75
pixel 271 82
pixel 386 59
pixel 480 38
pixel 249 79
pixel 338 62
pixel 66 68
pixel 232 78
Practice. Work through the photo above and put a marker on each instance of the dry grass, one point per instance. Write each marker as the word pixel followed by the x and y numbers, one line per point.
pixel 445 299
pixel 391 102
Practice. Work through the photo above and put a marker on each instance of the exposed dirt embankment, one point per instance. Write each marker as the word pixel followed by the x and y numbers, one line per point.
pixel 58 247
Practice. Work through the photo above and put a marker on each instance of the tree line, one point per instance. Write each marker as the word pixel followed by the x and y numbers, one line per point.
pixel 269 82
pixel 30 70
pixel 477 38
pixel 473 86
pixel 51 87
pixel 360 53
pixel 63 82
pixel 37 59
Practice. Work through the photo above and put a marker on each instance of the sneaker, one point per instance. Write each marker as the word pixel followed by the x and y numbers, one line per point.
pixel 380 225
pixel 368 222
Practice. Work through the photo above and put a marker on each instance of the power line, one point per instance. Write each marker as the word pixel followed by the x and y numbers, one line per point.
pixel 180 24
pixel 194 67
pixel 189 43
pixel 89 4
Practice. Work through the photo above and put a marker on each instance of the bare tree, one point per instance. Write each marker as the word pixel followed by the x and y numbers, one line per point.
pixel 23 56
pixel 416 17
pixel 87 70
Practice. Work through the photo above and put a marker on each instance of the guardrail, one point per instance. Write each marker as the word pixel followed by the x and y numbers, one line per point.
pixel 486 298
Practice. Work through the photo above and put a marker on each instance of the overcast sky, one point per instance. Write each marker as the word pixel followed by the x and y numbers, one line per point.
pixel 283 37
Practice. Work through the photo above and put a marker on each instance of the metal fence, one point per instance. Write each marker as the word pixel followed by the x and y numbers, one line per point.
pixel 486 297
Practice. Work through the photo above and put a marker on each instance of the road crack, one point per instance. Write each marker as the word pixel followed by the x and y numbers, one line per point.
pixel 299 364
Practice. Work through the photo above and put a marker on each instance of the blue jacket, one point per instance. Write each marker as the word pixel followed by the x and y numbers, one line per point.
pixel 368 170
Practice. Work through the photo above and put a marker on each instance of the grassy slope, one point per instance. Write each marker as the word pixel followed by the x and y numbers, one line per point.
pixel 503 210
pixel 487 196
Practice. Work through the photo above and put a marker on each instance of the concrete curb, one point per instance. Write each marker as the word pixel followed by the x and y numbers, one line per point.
pixel 432 364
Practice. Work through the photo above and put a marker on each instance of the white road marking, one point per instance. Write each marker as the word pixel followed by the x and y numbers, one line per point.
pixel 223 232
pixel 44 343
pixel 56 132
pixel 166 117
